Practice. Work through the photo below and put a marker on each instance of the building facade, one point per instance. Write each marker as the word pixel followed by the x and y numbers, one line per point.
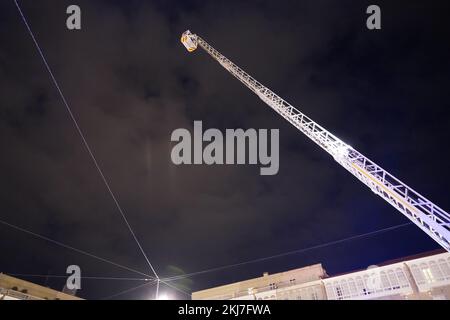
pixel 416 278
pixel 302 283
pixel 12 288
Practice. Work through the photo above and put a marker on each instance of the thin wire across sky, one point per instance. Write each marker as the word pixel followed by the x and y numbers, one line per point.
pixel 83 138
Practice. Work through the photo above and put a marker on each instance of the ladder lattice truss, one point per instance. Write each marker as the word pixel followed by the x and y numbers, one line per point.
pixel 424 213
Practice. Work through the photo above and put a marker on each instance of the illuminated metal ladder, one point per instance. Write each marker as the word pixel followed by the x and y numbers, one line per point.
pixel 424 213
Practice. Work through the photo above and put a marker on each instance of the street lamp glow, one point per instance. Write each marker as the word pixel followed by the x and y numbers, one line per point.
pixel 163 297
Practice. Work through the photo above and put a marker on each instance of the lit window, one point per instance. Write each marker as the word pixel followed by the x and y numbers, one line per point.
pixel 385 281
pixel 360 285
pixel 367 287
pixel 402 278
pixel 345 289
pixel 444 267
pixel 428 275
pixel 352 287
pixel 436 271
pixel 393 280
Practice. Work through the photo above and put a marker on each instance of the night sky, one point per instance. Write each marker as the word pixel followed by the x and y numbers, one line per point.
pixel 130 83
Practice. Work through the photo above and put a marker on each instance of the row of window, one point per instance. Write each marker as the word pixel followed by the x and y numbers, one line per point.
pixel 431 272
pixel 372 282
pixel 310 293
pixel 369 283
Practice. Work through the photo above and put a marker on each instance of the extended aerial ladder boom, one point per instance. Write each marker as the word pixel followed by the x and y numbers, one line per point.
pixel 424 213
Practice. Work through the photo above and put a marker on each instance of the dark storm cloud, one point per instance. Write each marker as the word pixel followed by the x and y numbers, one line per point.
pixel 130 83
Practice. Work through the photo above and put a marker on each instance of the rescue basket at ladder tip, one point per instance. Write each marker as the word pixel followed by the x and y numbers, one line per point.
pixel 189 40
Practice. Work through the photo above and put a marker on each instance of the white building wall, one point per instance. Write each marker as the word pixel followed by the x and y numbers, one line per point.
pixel 308 291
pixel 15 295
pixel 373 283
pixel 421 279
pixel 431 272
